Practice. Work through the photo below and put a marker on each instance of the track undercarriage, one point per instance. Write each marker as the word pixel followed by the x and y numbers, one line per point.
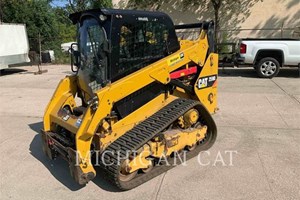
pixel 153 146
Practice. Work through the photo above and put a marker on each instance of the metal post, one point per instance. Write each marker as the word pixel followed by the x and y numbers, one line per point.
pixel 40 71
pixel 40 47
pixel 282 29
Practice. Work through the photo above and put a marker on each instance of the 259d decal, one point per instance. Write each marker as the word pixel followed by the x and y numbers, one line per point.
pixel 207 81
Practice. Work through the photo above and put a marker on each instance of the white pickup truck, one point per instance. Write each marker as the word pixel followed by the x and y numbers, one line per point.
pixel 267 56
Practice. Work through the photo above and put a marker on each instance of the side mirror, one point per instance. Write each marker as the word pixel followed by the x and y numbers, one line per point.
pixel 75 55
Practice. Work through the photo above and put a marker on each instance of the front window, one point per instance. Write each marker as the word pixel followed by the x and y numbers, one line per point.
pixel 93 58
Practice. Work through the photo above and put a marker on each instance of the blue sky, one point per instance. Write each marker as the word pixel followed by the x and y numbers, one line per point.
pixel 59 3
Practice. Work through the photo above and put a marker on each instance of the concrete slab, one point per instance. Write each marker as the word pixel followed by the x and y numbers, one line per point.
pixel 258 119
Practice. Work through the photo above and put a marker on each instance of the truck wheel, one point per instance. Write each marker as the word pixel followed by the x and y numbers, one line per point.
pixel 267 67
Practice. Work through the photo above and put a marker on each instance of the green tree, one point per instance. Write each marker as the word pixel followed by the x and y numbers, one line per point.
pixel 80 5
pixel 67 31
pixel 39 20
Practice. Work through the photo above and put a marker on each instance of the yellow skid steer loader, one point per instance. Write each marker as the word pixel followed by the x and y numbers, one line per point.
pixel 138 94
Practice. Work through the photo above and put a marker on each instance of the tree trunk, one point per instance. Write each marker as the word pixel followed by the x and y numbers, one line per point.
pixel 216 5
pixel 217 25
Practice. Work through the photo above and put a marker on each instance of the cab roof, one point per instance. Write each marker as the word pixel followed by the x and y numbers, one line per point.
pixel 75 17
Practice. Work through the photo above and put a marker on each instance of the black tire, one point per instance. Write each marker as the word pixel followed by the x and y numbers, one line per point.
pixel 267 67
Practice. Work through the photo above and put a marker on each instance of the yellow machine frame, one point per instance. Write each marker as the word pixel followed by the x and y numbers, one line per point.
pixel 93 121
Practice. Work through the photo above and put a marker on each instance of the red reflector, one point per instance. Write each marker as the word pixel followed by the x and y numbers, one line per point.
pixel 50 142
pixel 243 48
pixel 183 72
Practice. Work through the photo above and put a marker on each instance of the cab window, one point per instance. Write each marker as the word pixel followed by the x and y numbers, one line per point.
pixel 141 44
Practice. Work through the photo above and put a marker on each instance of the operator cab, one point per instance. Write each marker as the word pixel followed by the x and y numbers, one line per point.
pixel 115 43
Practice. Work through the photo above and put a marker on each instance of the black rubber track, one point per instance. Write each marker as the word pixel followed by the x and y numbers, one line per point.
pixel 144 131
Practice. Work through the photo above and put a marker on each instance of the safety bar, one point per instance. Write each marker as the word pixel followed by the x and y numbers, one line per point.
pixel 205 25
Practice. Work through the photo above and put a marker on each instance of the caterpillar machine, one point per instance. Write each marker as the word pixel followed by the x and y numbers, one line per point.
pixel 138 94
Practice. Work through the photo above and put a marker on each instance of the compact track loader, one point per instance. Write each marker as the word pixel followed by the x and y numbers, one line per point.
pixel 138 99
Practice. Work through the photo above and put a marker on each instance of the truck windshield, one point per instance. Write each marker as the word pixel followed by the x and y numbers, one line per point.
pixel 93 59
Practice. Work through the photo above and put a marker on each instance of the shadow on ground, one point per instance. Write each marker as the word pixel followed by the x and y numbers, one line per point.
pixel 249 72
pixel 59 168
pixel 10 71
